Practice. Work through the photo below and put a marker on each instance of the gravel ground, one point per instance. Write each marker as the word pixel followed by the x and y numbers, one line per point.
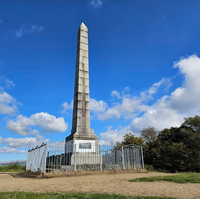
pixel 101 183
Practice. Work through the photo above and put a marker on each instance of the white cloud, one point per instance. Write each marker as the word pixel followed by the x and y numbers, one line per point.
pixel 11 150
pixel 166 112
pixel 8 104
pixel 95 3
pixel 113 136
pixel 24 30
pixel 115 94
pixel 186 98
pixel 130 106
pixel 160 115
pixel 1 139
pixel 148 94
pixel 183 102
pixel 67 106
pixel 13 144
pixel 6 83
pixel 46 122
pixel 127 89
pixel 97 106
pixel 26 142
pixel 49 123
pixel 113 112
pixel 18 126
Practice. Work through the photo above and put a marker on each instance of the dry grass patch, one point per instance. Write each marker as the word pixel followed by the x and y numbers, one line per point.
pixel 38 175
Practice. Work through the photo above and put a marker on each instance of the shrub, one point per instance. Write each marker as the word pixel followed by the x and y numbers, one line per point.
pixel 12 167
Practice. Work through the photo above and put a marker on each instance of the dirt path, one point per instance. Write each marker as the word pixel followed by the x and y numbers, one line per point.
pixel 102 183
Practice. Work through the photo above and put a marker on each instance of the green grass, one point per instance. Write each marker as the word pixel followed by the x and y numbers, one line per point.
pixel 180 178
pixel 25 195
pixel 12 168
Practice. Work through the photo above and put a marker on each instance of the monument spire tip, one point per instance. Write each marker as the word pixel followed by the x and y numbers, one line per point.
pixel 83 26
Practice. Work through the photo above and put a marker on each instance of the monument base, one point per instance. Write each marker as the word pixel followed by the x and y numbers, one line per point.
pixel 82 149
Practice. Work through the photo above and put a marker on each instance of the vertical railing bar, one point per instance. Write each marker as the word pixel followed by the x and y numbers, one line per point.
pixel 142 158
pixel 75 157
pixel 56 157
pixel 113 157
pixel 100 158
pixel 45 159
pixel 65 155
pixel 123 158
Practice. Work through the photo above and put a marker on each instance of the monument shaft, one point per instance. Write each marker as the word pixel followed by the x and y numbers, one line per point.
pixel 82 137
pixel 81 131
pixel 81 109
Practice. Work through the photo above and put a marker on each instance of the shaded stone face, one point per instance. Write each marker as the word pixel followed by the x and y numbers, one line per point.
pixel 81 108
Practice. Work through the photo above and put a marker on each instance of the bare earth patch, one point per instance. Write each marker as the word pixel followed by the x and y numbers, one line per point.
pixel 100 183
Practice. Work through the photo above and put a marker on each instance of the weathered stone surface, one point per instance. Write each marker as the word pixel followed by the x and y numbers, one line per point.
pixel 83 40
pixel 83 34
pixel 81 131
pixel 81 110
pixel 82 53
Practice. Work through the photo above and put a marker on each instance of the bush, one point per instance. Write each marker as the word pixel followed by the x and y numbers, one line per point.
pixel 12 167
pixel 149 167
pixel 175 149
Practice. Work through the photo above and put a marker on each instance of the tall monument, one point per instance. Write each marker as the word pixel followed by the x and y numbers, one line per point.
pixel 82 136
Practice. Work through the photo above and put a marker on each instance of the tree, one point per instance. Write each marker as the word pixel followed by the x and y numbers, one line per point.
pixel 193 123
pixel 131 139
pixel 149 134
pixel 175 149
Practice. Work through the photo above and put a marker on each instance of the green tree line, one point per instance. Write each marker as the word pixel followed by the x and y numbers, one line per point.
pixel 174 149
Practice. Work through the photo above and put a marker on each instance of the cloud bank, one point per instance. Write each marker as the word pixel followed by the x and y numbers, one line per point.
pixel 32 126
pixel 47 123
pixel 168 111
pixel 13 144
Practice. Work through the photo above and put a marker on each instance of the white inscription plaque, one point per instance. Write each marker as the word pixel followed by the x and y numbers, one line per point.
pixel 84 146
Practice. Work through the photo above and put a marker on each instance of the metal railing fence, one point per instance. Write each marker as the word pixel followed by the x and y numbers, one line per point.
pixel 36 159
pixel 62 156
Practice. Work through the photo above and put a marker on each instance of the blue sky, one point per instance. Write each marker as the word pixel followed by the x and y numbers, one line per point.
pixel 144 68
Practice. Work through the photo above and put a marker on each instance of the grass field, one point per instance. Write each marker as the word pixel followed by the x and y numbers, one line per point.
pixel 24 195
pixel 12 168
pixel 180 178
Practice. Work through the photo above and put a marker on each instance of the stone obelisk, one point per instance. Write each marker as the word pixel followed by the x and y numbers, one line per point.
pixel 81 133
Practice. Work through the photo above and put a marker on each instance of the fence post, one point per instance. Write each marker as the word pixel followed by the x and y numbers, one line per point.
pixel 100 158
pixel 114 157
pixel 128 158
pixel 75 158
pixel 27 162
pixel 142 158
pixel 45 159
pixel 123 158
